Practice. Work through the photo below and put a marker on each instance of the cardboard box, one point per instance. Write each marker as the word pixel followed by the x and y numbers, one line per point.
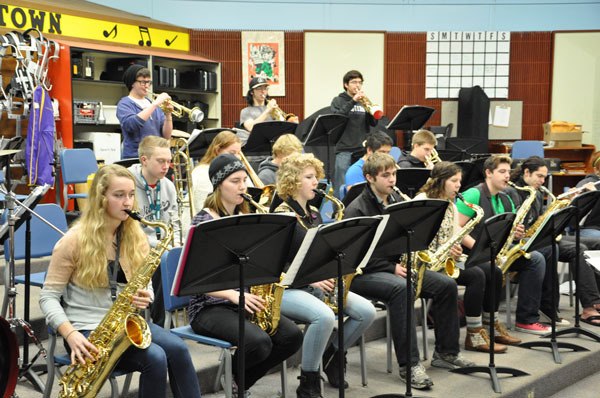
pixel 563 134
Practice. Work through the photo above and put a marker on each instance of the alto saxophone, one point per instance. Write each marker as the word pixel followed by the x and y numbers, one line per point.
pixel 441 260
pixel 556 204
pixel 120 328
pixel 507 254
pixel 271 293
pixel 331 298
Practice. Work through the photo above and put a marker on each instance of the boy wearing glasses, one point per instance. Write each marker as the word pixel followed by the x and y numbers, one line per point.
pixel 138 115
pixel 359 123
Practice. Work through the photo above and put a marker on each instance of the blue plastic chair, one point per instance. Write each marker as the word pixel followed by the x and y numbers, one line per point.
pixel 54 362
pixel 76 165
pixel 168 267
pixel 43 239
pixel 395 152
pixel 525 149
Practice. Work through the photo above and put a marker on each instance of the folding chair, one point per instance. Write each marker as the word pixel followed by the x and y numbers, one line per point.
pixel 168 267
pixel 76 165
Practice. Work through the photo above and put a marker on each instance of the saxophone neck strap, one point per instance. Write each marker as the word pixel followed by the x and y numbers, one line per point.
pixel 113 267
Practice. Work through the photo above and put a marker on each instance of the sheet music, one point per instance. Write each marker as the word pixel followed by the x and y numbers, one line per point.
pixel 290 275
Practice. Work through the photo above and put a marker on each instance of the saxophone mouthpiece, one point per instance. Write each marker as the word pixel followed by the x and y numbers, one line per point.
pixel 319 192
pixel 459 196
pixel 133 214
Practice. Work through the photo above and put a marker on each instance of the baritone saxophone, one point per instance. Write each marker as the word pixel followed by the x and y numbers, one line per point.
pixel 120 328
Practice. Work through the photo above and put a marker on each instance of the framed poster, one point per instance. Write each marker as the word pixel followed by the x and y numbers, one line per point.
pixel 263 54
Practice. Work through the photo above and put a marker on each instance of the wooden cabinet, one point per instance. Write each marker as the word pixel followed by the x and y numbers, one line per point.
pixel 89 85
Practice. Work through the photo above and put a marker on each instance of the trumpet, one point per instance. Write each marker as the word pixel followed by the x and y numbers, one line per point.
pixel 432 158
pixel 370 107
pixel 278 114
pixel 195 114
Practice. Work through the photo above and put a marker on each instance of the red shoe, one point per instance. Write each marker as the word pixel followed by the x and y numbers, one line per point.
pixel 533 328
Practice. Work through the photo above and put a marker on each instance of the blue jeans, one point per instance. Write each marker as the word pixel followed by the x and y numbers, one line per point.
pixel 305 307
pixel 531 278
pixel 342 164
pixel 391 289
pixel 587 232
pixel 167 354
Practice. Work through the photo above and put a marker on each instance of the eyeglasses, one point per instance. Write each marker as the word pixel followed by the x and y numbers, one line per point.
pixel 356 81
pixel 144 82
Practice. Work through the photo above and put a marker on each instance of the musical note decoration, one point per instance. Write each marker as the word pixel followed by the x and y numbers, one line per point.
pixel 169 42
pixel 144 29
pixel 108 33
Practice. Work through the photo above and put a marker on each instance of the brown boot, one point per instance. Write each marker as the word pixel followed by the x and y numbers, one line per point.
pixel 501 334
pixel 478 340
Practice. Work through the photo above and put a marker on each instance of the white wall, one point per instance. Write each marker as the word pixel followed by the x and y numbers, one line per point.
pixel 390 15
pixel 576 82
pixel 328 56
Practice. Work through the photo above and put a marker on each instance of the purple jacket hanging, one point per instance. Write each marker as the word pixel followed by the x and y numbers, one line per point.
pixel 39 151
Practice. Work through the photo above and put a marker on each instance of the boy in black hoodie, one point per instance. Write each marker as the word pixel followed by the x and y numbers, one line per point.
pixel 357 128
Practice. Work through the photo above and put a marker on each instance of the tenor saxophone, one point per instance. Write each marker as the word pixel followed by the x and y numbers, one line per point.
pixel 508 254
pixel 272 293
pixel 120 328
pixel 556 204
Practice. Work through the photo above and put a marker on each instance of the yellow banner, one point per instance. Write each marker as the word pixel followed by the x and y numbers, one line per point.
pixel 21 18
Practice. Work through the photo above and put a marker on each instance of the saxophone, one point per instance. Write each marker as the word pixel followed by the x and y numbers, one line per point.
pixel 441 259
pixel 331 298
pixel 556 204
pixel 121 327
pixel 271 293
pixel 507 254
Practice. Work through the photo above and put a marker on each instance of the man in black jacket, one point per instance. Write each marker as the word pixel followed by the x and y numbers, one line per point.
pixel 385 281
pixel 591 224
pixel 357 128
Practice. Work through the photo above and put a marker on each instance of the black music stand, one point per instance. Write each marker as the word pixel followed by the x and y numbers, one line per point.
pixel 326 131
pixel 411 227
pixel 354 193
pixel 466 146
pixel 410 118
pixel 472 174
pixel 265 134
pixel 411 180
pixel 254 245
pixel 200 140
pixel 495 231
pixel 335 250
pixel 127 162
pixel 546 236
pixel 583 204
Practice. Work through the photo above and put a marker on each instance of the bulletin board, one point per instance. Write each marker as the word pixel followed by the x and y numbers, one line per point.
pixel 515 118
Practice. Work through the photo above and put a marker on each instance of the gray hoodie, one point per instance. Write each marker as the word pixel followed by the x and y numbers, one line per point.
pixel 168 203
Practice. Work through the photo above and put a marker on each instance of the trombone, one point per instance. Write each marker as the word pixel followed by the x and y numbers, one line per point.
pixel 268 190
pixel 195 114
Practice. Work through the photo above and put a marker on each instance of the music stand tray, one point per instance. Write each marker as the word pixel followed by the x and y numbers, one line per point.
pixel 411 180
pixel 411 117
pixel 265 134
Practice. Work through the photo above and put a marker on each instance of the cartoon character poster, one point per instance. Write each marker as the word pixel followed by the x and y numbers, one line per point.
pixel 263 55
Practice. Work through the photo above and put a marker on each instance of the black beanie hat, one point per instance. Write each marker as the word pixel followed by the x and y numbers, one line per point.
pixel 130 75
pixel 222 167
